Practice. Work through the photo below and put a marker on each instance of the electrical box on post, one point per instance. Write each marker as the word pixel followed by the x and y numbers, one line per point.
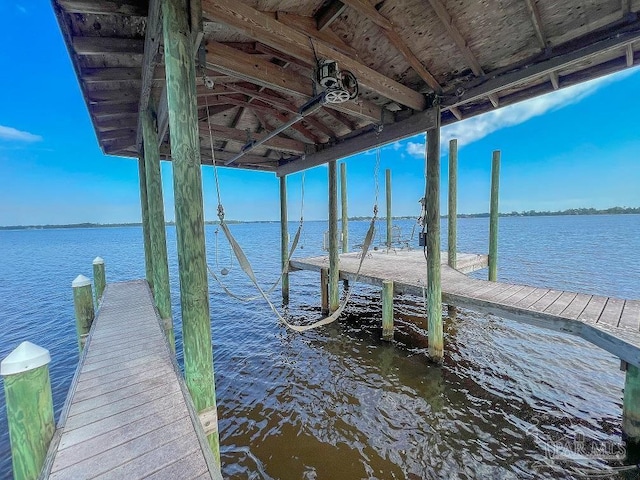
pixel 422 239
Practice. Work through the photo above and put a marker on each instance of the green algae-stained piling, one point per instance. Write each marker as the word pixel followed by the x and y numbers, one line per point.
pixel 387 310
pixel 434 288
pixel 146 232
pixel 83 306
pixel 493 217
pixel 284 239
pixel 157 229
pixel 344 209
pixel 334 259
pixel 27 390
pixel 99 278
pixel 452 213
pixel 187 178
pixel 631 404
pixel 387 177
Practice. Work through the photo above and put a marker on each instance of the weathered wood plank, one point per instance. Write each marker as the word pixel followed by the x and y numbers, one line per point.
pixel 630 317
pixel 611 313
pixel 594 308
pixel 561 303
pixel 532 298
pixel 546 300
pixel 187 468
pixel 577 305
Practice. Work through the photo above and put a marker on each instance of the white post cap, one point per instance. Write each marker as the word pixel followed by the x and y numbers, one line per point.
pixel 98 261
pixel 25 357
pixel 80 281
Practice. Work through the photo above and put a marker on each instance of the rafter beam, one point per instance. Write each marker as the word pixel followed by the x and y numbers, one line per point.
pixel 259 71
pixel 102 110
pixel 629 55
pixel 107 45
pixel 276 34
pixel 240 136
pixel 625 6
pixel 555 80
pixel 611 39
pixel 366 9
pixel 113 96
pixel 368 138
pixel 113 146
pixel 328 14
pixel 97 75
pixel 114 134
pixel 534 13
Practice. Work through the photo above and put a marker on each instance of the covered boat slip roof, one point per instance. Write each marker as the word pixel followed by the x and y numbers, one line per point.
pixel 468 56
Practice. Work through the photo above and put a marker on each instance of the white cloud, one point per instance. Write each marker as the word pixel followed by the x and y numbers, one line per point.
pixel 10 133
pixel 476 128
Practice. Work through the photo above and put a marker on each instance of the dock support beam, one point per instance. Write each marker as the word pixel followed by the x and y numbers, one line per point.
pixel 83 306
pixel 157 229
pixel 387 177
pixel 324 290
pixel 334 258
pixel 631 405
pixel 493 217
pixel 452 213
pixel 27 391
pixel 387 310
pixel 146 234
pixel 99 278
pixel 343 211
pixel 434 288
pixel 187 178
pixel 284 239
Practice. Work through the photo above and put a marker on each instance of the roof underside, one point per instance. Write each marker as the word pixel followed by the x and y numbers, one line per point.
pixel 469 56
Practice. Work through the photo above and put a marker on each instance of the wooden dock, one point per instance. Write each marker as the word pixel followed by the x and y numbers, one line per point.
pixel 610 323
pixel 128 413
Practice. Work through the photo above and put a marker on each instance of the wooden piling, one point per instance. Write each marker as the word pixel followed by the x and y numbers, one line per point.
pixel 389 218
pixel 452 213
pixel 343 211
pixel 27 390
pixel 387 310
pixel 284 239
pixel 83 306
pixel 434 287
pixel 334 257
pixel 631 405
pixel 157 228
pixel 187 177
pixel 99 279
pixel 493 217
pixel 324 290
pixel 146 234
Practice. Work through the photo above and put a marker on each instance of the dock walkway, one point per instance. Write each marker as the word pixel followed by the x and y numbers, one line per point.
pixel 128 413
pixel 610 323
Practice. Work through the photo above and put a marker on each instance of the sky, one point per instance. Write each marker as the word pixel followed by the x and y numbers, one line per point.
pixel 577 147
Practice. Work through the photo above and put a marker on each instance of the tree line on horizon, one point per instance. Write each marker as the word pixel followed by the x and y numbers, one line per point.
pixel 529 213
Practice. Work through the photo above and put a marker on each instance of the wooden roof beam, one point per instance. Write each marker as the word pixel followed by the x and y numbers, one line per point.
pixel 276 143
pixel 327 14
pixel 261 72
pixel 577 51
pixel 366 139
pixel 265 29
pixel 97 75
pixel 534 13
pixel 555 80
pixel 625 7
pixel 101 110
pixel 629 55
pixel 107 45
pixel 461 43
pixel 366 9
pixel 112 146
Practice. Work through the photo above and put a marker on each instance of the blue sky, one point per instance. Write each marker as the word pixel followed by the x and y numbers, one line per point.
pixel 577 147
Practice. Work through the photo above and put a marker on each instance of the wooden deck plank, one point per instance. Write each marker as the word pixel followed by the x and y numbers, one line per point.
pixel 592 311
pixel 128 415
pixel 561 303
pixel 532 298
pixel 630 317
pixel 519 295
pixel 546 300
pixel 611 313
pixel 577 305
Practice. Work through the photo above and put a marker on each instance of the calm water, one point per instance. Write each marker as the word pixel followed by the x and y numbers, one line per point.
pixel 338 403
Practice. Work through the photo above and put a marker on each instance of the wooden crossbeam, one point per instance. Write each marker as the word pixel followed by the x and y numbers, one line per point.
pixel 120 74
pixel 105 7
pixel 625 7
pixel 119 133
pixel 276 34
pixel 576 52
pixel 369 138
pixel 534 13
pixel 328 14
pixel 307 26
pixel 277 143
pixel 112 146
pixel 104 45
pixel 114 124
pixel 102 110
pixel 259 71
pixel 366 9
pixel 629 55
pixel 555 80
pixel 113 96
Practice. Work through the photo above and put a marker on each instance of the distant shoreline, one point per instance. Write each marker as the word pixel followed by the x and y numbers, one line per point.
pixel 530 213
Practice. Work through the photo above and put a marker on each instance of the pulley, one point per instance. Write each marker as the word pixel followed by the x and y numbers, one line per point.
pixel 339 86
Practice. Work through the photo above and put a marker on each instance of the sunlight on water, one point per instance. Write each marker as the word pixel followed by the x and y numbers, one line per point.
pixel 338 402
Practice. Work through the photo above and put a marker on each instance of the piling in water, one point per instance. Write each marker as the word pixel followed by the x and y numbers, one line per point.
pixel 284 239
pixel 387 176
pixel 493 217
pixel 344 213
pixel 27 390
pixel 83 306
pixel 631 405
pixel 324 290
pixel 99 278
pixel 452 214
pixel 387 310
pixel 334 258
